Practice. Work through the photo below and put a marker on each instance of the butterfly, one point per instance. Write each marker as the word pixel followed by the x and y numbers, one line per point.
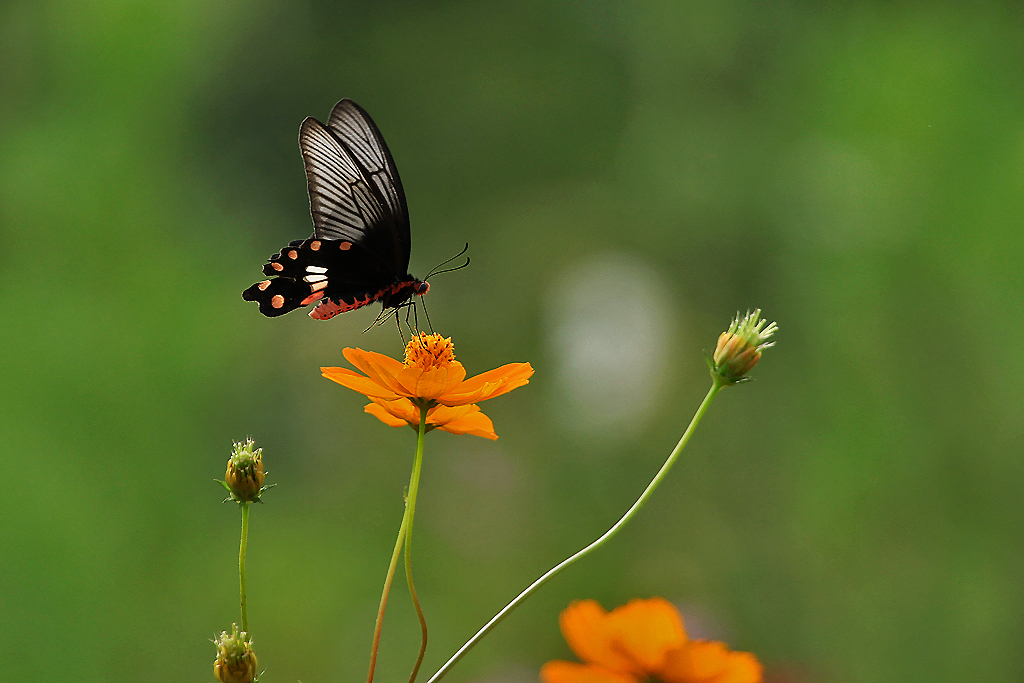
pixel 359 251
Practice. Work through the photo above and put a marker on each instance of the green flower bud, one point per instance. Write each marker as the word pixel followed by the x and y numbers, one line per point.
pixel 244 476
pixel 236 662
pixel 739 348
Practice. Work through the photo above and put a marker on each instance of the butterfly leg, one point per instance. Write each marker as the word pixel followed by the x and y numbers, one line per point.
pixel 381 318
pixel 401 332
pixel 426 314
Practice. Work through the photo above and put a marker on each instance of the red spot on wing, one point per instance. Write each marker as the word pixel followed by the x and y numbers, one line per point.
pixel 311 298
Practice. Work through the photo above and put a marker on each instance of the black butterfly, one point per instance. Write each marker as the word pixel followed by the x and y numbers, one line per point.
pixel 359 251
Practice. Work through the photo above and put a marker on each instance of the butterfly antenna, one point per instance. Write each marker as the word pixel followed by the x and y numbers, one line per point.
pixel 435 270
pixel 449 269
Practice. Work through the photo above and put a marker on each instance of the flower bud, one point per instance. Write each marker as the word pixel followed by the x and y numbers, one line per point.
pixel 739 348
pixel 244 476
pixel 236 662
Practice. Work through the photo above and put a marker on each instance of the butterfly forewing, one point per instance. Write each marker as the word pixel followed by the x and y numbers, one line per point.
pixel 340 199
pixel 357 131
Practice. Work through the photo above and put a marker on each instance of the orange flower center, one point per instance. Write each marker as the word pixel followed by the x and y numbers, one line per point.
pixel 429 351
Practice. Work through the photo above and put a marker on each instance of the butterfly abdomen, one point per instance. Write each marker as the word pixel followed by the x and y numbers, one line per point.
pixel 325 310
pixel 392 296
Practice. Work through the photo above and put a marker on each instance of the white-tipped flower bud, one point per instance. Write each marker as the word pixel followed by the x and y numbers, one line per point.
pixel 244 475
pixel 236 662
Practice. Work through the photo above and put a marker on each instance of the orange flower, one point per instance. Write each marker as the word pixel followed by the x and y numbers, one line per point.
pixel 431 377
pixel 640 639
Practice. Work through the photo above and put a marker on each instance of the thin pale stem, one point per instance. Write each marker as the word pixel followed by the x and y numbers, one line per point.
pixel 241 564
pixel 604 538
pixel 387 591
pixel 414 484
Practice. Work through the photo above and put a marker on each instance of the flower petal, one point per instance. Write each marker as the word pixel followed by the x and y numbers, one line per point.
pixel 384 415
pixel 647 630
pixel 459 420
pixel 462 420
pixel 729 667
pixel 710 661
pixel 571 672
pixel 585 627
pixel 378 367
pixel 362 359
pixel 357 382
pixel 488 384
pixel 430 383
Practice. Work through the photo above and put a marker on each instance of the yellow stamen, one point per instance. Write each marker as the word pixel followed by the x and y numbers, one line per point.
pixel 429 351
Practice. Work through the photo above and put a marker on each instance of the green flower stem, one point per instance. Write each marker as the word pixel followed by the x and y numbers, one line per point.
pixel 414 484
pixel 241 564
pixel 497 618
pixel 384 594
pixel 404 534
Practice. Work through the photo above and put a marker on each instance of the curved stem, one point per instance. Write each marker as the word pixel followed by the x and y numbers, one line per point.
pixel 497 618
pixel 386 592
pixel 414 484
pixel 241 564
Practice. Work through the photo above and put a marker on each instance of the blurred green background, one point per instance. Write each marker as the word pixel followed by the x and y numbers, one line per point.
pixel 628 176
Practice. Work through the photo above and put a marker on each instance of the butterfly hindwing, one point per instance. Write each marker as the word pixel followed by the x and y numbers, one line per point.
pixel 306 271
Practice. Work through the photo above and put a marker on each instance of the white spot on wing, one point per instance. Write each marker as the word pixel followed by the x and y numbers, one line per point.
pixel 315 269
pixel 314 278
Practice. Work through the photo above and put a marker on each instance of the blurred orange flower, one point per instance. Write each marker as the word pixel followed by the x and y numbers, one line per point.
pixel 431 377
pixel 640 639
